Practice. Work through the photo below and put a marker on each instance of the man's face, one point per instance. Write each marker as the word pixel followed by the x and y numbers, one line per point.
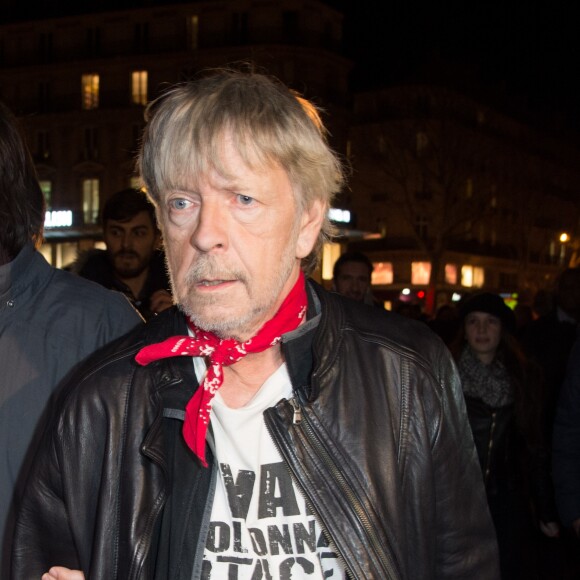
pixel 130 244
pixel 234 245
pixel 353 280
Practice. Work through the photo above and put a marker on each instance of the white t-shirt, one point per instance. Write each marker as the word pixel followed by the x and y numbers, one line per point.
pixel 260 525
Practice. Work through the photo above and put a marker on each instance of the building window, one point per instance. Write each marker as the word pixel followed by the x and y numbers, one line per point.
pixel 90 91
pixel 193 32
pixel 420 273
pixel 93 41
pixel 290 25
pixel 141 37
pixel 451 274
pixel 422 142
pixel 139 81
pixel 45 46
pixel 90 200
pixel 43 97
pixel 240 27
pixel 421 225
pixel 330 253
pixel 469 188
pixel 91 143
pixel 472 276
pixel 46 187
pixel 382 273
pixel 468 226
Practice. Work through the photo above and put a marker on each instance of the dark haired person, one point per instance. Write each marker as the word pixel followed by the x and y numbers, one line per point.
pixel 262 428
pixel 566 452
pixel 132 263
pixel 504 399
pixel 351 277
pixel 49 321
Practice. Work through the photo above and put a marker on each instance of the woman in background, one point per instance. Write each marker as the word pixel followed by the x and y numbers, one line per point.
pixel 504 404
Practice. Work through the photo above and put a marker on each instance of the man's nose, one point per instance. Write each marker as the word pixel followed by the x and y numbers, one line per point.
pixel 126 241
pixel 211 227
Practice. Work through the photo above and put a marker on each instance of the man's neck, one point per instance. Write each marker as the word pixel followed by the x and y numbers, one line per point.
pixel 244 379
pixel 136 283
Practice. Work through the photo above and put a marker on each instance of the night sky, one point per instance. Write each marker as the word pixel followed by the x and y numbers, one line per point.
pixel 526 57
pixel 520 56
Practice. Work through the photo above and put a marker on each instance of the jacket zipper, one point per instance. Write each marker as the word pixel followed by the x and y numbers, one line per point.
pixel 301 420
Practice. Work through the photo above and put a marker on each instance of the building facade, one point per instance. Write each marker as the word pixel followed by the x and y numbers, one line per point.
pixel 80 84
pixel 446 194
pixel 460 197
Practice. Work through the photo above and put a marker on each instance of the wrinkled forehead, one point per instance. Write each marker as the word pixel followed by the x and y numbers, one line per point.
pixel 193 156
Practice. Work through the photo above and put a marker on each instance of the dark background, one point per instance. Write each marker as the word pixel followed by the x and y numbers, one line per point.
pixel 523 57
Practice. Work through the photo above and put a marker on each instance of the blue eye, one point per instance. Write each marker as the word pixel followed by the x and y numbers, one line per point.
pixel 178 203
pixel 245 199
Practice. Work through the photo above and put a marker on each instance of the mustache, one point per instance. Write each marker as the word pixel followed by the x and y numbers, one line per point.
pixel 207 268
pixel 123 253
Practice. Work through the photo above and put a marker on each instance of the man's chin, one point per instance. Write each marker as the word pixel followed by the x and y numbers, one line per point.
pixel 128 273
pixel 223 322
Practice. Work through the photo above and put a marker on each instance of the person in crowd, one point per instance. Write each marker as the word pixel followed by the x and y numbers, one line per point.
pixel 566 446
pixel 445 322
pixel 549 339
pixel 503 394
pixel 133 262
pixel 263 427
pixel 49 321
pixel 351 277
pixel 409 309
pixel 524 317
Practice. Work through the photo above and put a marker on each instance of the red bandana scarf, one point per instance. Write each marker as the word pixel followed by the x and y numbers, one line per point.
pixel 223 353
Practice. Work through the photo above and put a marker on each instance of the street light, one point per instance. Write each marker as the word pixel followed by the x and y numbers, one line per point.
pixel 564 238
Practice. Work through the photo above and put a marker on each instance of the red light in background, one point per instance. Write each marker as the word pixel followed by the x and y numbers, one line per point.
pixel 421 294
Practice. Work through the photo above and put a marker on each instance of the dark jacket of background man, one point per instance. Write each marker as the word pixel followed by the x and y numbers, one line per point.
pixel 49 321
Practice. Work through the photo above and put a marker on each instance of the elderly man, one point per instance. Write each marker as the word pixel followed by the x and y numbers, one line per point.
pixel 263 428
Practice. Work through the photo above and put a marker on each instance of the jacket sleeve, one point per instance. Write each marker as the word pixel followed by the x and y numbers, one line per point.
pixel 466 541
pixel 566 443
pixel 43 535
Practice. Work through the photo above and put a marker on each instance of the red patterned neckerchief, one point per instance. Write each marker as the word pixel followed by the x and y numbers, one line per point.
pixel 223 352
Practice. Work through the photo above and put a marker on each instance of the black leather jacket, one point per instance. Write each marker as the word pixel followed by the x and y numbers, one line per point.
pixel 376 437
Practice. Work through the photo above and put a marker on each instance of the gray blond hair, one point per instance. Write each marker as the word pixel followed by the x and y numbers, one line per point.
pixel 271 124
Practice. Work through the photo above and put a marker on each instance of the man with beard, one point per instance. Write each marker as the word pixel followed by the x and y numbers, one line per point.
pixel 132 263
pixel 263 427
pixel 351 277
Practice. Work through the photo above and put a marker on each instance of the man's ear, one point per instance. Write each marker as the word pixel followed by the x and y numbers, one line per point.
pixel 310 224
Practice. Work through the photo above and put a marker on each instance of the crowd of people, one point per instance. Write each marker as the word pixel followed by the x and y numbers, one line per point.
pixel 519 372
pixel 229 417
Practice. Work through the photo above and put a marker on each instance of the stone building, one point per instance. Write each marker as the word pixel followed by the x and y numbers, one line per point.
pixel 80 84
